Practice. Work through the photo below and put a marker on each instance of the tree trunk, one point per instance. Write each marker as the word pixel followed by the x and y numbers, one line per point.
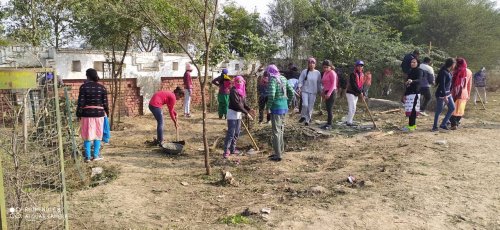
pixel 116 80
pixel 204 108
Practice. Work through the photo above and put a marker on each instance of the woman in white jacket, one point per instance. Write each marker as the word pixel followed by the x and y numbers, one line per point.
pixel 309 86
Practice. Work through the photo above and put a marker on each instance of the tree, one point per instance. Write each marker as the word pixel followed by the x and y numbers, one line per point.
pixel 194 34
pixel 109 25
pixel 291 18
pixel 40 22
pixel 237 26
pixel 463 28
pixel 26 22
pixel 401 15
pixel 3 40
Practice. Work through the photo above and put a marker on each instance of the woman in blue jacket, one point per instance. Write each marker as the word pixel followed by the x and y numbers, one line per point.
pixel 443 94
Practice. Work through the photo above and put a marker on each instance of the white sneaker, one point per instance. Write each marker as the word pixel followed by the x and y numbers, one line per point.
pixel 98 159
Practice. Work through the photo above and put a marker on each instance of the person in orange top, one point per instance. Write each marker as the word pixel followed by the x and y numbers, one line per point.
pixel 368 82
pixel 156 103
pixel 461 85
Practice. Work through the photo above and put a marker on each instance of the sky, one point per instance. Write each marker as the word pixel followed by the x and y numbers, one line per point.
pixel 261 5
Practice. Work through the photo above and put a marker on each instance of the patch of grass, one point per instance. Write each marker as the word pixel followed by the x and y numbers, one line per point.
pixel 210 178
pixel 295 180
pixel 110 173
pixel 235 219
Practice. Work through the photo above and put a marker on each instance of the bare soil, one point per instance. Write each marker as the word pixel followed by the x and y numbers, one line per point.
pixel 403 180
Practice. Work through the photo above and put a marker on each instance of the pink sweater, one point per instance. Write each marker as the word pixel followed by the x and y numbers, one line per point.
pixel 329 82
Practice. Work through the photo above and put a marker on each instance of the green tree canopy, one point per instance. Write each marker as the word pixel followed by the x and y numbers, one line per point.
pixel 463 28
pixel 401 15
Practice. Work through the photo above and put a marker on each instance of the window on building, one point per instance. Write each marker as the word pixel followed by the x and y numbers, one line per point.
pixel 98 66
pixel 76 66
pixel 237 67
pixel 175 65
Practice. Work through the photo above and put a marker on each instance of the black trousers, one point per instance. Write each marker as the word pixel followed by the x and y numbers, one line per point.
pixel 262 106
pixel 455 120
pixel 329 107
pixel 413 115
pixel 426 92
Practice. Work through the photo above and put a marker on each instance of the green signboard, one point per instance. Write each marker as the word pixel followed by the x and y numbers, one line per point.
pixel 17 79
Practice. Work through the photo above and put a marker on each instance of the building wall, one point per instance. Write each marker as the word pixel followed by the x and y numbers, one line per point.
pixel 131 101
pixel 152 64
pixel 137 64
pixel 170 83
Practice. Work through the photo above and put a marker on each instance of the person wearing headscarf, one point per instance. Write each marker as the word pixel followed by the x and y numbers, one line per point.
pixel 279 92
pixel 224 84
pixel 480 85
pixel 309 86
pixel 237 107
pixel 411 98
pixel 460 90
pixel 329 81
pixel 293 80
pixel 368 83
pixel 188 88
pixel 262 90
pixel 354 89
pixel 443 94
pixel 156 103
pixel 91 110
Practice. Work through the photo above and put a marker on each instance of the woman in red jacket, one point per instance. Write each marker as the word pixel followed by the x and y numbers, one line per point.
pixel 461 85
pixel 159 99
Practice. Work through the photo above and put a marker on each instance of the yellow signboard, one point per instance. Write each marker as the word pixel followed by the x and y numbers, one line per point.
pixel 17 79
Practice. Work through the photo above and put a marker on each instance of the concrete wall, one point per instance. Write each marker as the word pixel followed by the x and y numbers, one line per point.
pixel 138 65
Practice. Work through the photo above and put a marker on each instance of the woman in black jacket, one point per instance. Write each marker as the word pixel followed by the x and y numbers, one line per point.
pixel 92 108
pixel 412 94
pixel 237 107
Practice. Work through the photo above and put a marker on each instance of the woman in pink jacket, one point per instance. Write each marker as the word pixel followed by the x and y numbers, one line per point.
pixel 329 82
pixel 461 85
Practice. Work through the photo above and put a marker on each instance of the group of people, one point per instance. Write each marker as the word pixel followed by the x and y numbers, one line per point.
pixel 453 89
pixel 277 94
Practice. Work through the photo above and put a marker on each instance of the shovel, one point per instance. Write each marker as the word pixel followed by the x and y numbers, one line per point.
pixel 175 147
pixel 177 137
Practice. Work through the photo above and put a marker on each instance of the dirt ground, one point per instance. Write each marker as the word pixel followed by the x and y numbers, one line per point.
pixel 419 180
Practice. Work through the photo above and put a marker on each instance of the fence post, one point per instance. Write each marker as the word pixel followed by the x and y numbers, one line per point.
pixel 3 210
pixel 72 135
pixel 61 153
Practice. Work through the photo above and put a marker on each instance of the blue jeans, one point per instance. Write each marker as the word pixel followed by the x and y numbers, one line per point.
pixel 439 108
pixel 157 112
pixel 232 135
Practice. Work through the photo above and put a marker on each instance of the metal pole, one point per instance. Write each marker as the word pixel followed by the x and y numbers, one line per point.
pixel 61 154
pixel 3 210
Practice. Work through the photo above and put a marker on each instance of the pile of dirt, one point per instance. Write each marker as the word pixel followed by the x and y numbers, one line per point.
pixel 297 136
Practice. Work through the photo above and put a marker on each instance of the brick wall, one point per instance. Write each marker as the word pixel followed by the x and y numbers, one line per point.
pixel 131 101
pixel 170 83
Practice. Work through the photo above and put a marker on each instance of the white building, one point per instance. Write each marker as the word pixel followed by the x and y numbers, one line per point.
pixel 72 63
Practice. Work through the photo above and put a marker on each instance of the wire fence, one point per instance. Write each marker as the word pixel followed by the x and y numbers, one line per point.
pixel 38 152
